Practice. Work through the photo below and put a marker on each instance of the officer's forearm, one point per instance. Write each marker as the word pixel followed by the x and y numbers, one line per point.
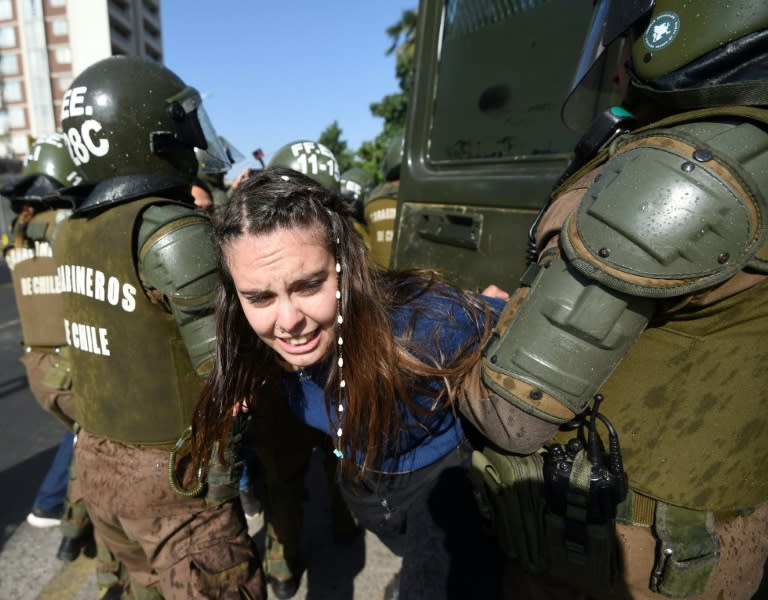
pixel 503 423
pixel 199 335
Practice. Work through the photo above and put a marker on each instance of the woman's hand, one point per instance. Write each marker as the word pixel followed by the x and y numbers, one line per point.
pixel 242 176
pixel 495 292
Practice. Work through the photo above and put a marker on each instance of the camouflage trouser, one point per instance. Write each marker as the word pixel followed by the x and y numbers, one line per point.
pixel 55 397
pixel 284 445
pixel 50 385
pixel 179 546
pixel 76 523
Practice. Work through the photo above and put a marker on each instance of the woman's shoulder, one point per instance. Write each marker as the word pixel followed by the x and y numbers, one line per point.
pixel 444 314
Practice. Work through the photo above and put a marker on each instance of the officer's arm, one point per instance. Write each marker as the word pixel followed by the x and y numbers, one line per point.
pixel 498 420
pixel 657 225
pixel 558 339
pixel 177 259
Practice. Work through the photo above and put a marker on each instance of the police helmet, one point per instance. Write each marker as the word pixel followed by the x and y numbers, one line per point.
pixel 355 182
pixel 390 164
pixel 48 167
pixel 130 116
pixel 310 158
pixel 674 45
pixel 212 163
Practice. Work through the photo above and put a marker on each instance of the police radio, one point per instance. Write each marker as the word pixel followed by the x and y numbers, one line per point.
pixel 584 481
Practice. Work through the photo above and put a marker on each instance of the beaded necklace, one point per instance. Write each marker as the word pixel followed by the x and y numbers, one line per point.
pixel 304 376
pixel 339 344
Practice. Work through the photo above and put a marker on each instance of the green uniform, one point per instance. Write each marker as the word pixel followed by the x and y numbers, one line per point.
pixel 116 331
pixel 38 300
pixel 380 212
pixel 138 383
pixel 686 394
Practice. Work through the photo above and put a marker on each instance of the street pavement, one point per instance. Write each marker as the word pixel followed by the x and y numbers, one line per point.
pixel 29 569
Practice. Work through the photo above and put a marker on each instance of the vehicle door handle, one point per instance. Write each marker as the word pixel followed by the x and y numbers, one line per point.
pixel 454 229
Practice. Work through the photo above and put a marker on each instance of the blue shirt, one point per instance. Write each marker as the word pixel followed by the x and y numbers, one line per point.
pixel 440 333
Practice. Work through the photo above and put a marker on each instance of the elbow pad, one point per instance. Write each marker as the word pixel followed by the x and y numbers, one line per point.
pixel 557 342
pixel 177 257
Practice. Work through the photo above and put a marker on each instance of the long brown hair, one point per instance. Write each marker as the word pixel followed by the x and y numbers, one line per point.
pixel 380 369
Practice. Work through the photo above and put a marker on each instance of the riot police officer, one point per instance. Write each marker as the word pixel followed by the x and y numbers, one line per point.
pixel 210 190
pixel 381 205
pixel 137 272
pixel 48 167
pixel 356 184
pixel 649 294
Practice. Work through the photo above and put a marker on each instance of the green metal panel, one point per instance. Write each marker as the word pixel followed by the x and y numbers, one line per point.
pixel 484 142
pixel 471 246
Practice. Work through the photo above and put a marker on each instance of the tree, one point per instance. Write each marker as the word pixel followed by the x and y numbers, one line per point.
pixel 331 138
pixel 393 108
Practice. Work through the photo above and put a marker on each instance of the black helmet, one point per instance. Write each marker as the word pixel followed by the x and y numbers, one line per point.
pixel 134 119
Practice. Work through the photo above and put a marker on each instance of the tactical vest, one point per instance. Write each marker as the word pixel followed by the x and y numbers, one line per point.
pixel 689 403
pixel 689 398
pixel 35 284
pixel 380 209
pixel 135 381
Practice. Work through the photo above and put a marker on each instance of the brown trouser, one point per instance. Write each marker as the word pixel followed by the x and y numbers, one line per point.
pixel 60 404
pixel 179 545
pixel 743 551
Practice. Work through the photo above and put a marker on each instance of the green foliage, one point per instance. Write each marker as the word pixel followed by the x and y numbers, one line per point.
pixel 331 137
pixel 392 108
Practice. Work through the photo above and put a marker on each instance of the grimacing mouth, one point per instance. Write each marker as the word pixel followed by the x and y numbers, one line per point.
pixel 299 340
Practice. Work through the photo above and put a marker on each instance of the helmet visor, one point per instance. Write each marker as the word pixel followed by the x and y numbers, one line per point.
pixel 595 83
pixel 215 156
pixel 194 128
pixel 234 155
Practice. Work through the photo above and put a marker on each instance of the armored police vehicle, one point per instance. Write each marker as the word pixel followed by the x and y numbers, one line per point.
pixel 484 142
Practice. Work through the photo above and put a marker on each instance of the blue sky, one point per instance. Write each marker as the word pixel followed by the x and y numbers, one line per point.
pixel 273 71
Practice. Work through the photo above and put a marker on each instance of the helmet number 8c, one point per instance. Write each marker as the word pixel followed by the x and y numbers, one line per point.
pixel 81 143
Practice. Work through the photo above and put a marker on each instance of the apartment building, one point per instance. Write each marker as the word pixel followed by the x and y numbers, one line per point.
pixel 44 44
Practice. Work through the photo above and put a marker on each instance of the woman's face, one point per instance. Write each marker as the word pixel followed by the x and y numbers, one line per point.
pixel 286 283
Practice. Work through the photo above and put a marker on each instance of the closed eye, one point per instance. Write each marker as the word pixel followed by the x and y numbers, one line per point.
pixel 258 299
pixel 309 287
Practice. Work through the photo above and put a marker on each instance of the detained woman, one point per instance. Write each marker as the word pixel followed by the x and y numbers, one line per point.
pixel 386 363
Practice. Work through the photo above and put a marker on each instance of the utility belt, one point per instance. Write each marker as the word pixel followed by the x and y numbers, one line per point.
pixel 688 547
pixel 555 513
pixel 639 510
